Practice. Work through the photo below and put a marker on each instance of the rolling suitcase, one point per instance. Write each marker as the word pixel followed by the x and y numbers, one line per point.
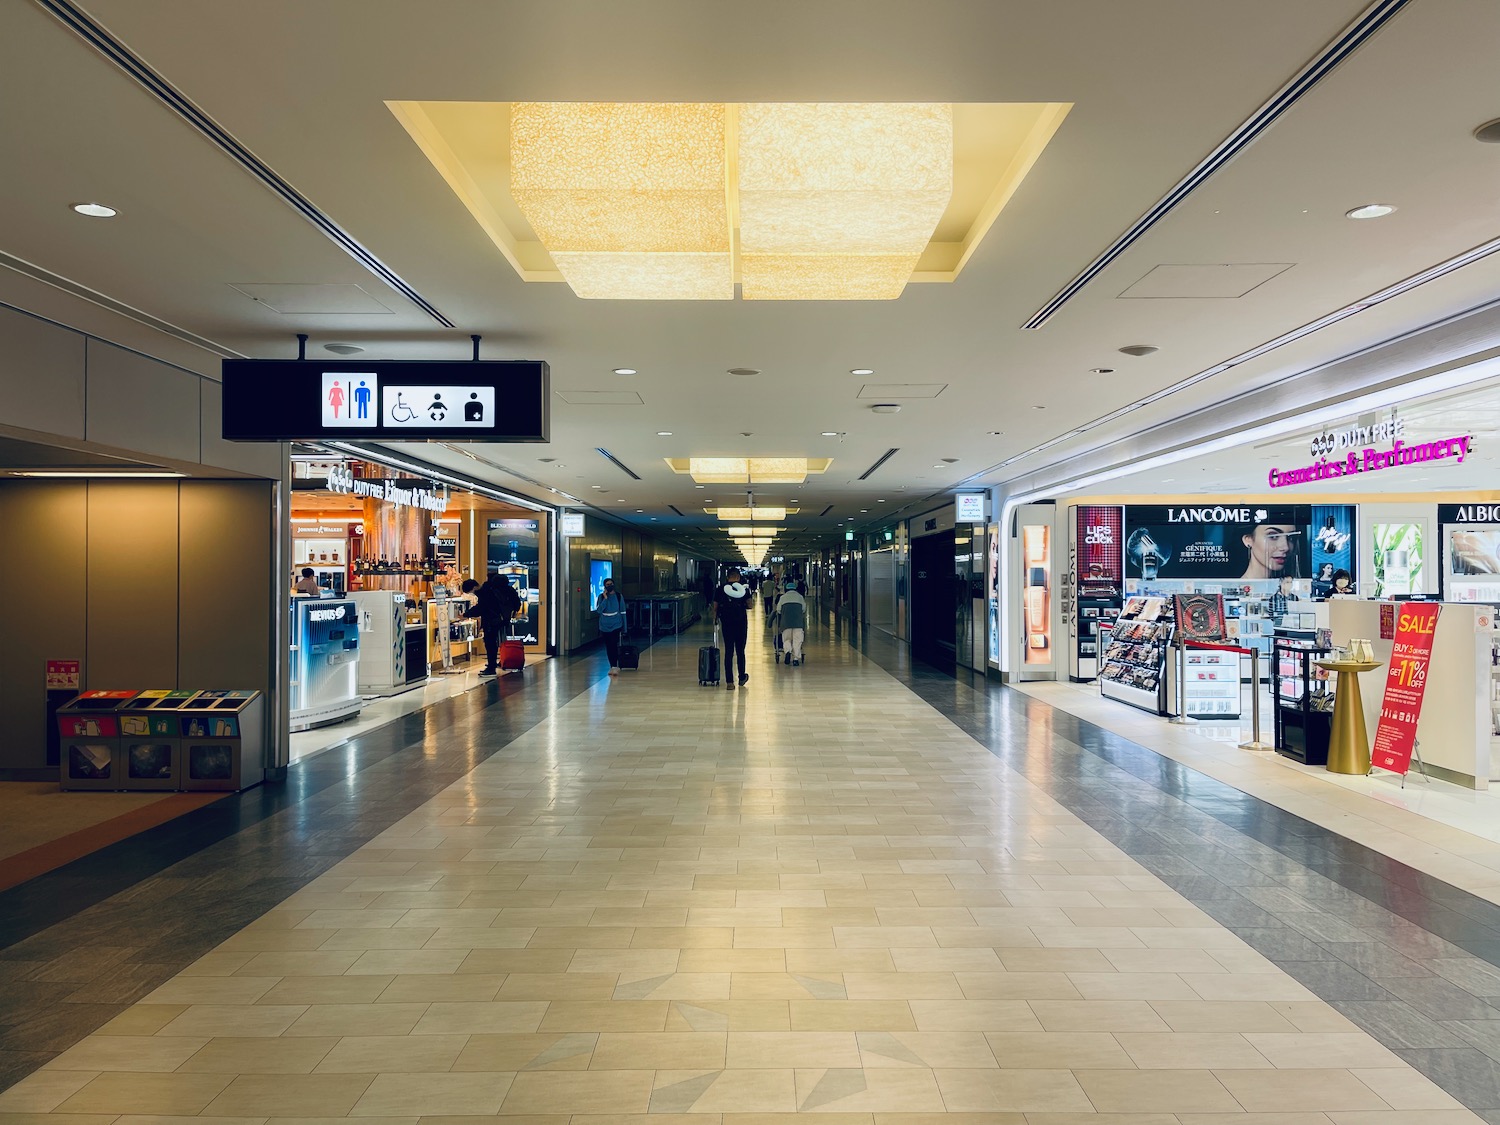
pixel 708 662
pixel 630 655
pixel 512 655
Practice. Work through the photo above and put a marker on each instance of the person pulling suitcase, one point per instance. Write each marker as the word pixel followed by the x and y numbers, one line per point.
pixel 731 612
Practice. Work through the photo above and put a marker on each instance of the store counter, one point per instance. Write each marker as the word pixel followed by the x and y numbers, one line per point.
pixel 325 662
pixel 1456 727
pixel 385 663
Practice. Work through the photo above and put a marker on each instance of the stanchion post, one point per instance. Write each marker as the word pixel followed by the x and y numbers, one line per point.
pixel 1182 717
pixel 1255 743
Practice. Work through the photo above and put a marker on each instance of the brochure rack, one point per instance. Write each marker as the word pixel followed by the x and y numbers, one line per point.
pixel 1136 663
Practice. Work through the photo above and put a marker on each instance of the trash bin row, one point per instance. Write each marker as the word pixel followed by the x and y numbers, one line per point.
pixel 162 739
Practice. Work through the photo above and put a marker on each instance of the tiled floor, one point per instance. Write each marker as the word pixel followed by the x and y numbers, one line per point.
pixel 818 895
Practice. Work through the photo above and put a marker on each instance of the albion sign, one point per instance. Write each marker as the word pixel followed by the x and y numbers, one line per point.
pixel 1374 460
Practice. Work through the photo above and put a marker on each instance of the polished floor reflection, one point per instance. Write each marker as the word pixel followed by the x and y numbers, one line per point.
pixel 657 902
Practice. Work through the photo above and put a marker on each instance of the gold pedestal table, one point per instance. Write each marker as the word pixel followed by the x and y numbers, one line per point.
pixel 1348 742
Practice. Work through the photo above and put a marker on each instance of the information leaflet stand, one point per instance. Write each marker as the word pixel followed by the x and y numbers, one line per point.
pixel 150 741
pixel 91 755
pixel 223 745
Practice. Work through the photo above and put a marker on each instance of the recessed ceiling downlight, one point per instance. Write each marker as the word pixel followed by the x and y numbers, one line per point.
pixel 861 371
pixel 744 371
pixel 1370 211
pixel 1139 349
pixel 95 210
pixel 886 408
pixel 1489 132
pixel 624 370
pixel 343 349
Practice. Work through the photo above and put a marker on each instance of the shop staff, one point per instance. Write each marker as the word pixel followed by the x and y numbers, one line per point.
pixel 308 584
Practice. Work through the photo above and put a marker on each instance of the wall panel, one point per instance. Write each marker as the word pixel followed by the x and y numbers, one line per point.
pixel 132 584
pixel 46 608
pixel 139 404
pixel 41 375
pixel 225 584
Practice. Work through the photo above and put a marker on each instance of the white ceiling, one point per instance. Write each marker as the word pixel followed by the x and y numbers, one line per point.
pixel 1156 84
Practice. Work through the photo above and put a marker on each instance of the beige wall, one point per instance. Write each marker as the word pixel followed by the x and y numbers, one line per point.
pixel 151 584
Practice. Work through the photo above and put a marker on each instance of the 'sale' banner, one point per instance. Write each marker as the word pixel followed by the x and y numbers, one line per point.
pixel 1405 684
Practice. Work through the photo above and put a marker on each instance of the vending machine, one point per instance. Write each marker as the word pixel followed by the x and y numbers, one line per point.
pixel 325 662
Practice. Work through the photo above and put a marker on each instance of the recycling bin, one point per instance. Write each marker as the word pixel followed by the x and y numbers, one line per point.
pixel 150 740
pixel 223 740
pixel 91 755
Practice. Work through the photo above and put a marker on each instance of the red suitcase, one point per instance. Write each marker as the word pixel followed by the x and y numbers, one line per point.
pixel 512 655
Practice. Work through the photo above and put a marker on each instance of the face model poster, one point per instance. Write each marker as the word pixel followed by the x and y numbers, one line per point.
pixel 1249 542
pixel 1331 542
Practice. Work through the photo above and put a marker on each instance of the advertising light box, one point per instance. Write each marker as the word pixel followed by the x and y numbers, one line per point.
pixel 401 400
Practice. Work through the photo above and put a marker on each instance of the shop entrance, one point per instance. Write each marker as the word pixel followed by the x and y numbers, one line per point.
pixel 934 637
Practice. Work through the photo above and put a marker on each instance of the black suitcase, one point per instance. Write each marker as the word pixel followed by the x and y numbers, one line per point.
pixel 630 656
pixel 708 663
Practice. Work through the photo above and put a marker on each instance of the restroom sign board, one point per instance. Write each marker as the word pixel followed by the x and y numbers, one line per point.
pixel 307 400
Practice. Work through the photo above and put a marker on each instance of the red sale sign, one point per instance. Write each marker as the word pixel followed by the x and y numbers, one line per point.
pixel 1405 684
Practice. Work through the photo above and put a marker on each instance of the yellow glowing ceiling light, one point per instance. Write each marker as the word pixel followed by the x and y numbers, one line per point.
pixel 628 198
pixel 778 470
pixel 719 470
pixel 838 201
pixel 732 532
pixel 767 514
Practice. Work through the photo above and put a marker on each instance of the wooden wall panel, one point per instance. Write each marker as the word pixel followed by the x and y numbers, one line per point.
pixel 227 588
pixel 132 584
pixel 46 577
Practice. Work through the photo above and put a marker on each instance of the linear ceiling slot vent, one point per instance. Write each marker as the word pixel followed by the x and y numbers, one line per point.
pixel 889 453
pixel 624 468
pixel 163 91
pixel 828 509
pixel 676 509
pixel 1376 16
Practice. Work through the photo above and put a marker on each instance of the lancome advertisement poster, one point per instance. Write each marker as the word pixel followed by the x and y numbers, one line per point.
pixel 515 551
pixel 1249 542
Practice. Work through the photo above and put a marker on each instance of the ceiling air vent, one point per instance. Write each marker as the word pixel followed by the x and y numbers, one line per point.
pixel 624 468
pixel 881 460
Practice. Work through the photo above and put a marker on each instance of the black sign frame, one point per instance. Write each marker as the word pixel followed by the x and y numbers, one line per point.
pixel 281 399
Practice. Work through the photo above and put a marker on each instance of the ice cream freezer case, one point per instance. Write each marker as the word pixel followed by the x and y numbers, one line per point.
pixel 163 739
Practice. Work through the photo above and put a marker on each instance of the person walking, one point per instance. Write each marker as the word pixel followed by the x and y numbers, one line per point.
pixel 495 603
pixel 791 607
pixel 731 612
pixel 768 594
pixel 611 611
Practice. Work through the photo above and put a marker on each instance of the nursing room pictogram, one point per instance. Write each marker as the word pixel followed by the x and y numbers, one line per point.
pixel 349 398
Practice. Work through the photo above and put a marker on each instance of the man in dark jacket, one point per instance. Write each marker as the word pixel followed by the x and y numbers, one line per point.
pixel 730 609
pixel 496 603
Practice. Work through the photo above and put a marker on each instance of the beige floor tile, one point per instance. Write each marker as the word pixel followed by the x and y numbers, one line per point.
pixel 1272 1090
pixel 636 962
pixel 375 1054
pixel 580 937
pixel 208 1020
pixel 1038 960
pixel 1011 1091
pixel 291 1095
pixel 411 961
pixel 42 1091
pixel 821 1091
pixel 740 1091
pixel 1242 1017
pixel 557 986
pixel 498 962
pixel 433 1094
pixel 782 1050
pixel 884 937
pixel 1314 1052
pixel 947 1050
pixel 516 1052
pixel 728 960
pixel 729 1015
pixel 1405 1090
pixel 902 986
pixel 946 960
pixel 1066 1050
pixel 1246 986
pixel 1314 1017
pixel 180 1094
pixel 495 937
pixel 362 939
pixel 783 937
pixel 358 1019
pixel 1097 1015
pixel 970 1015
pixel 600 1016
pixel 429 987
pixel 220 963
pixel 1131 986
pixel 853 1015
pixel 298 963
pixel 1165 1091
pixel 1017 986
pixel 462 1018
pixel 211 990
pixel 230 1055
pixel 1163 961
pixel 659 1051
pixel 674 986
pixel 128 1052
pixel 601 1091
pixel 142 1019
pixel 787 986
pixel 326 990
pixel 1192 1051
pixel 685 937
